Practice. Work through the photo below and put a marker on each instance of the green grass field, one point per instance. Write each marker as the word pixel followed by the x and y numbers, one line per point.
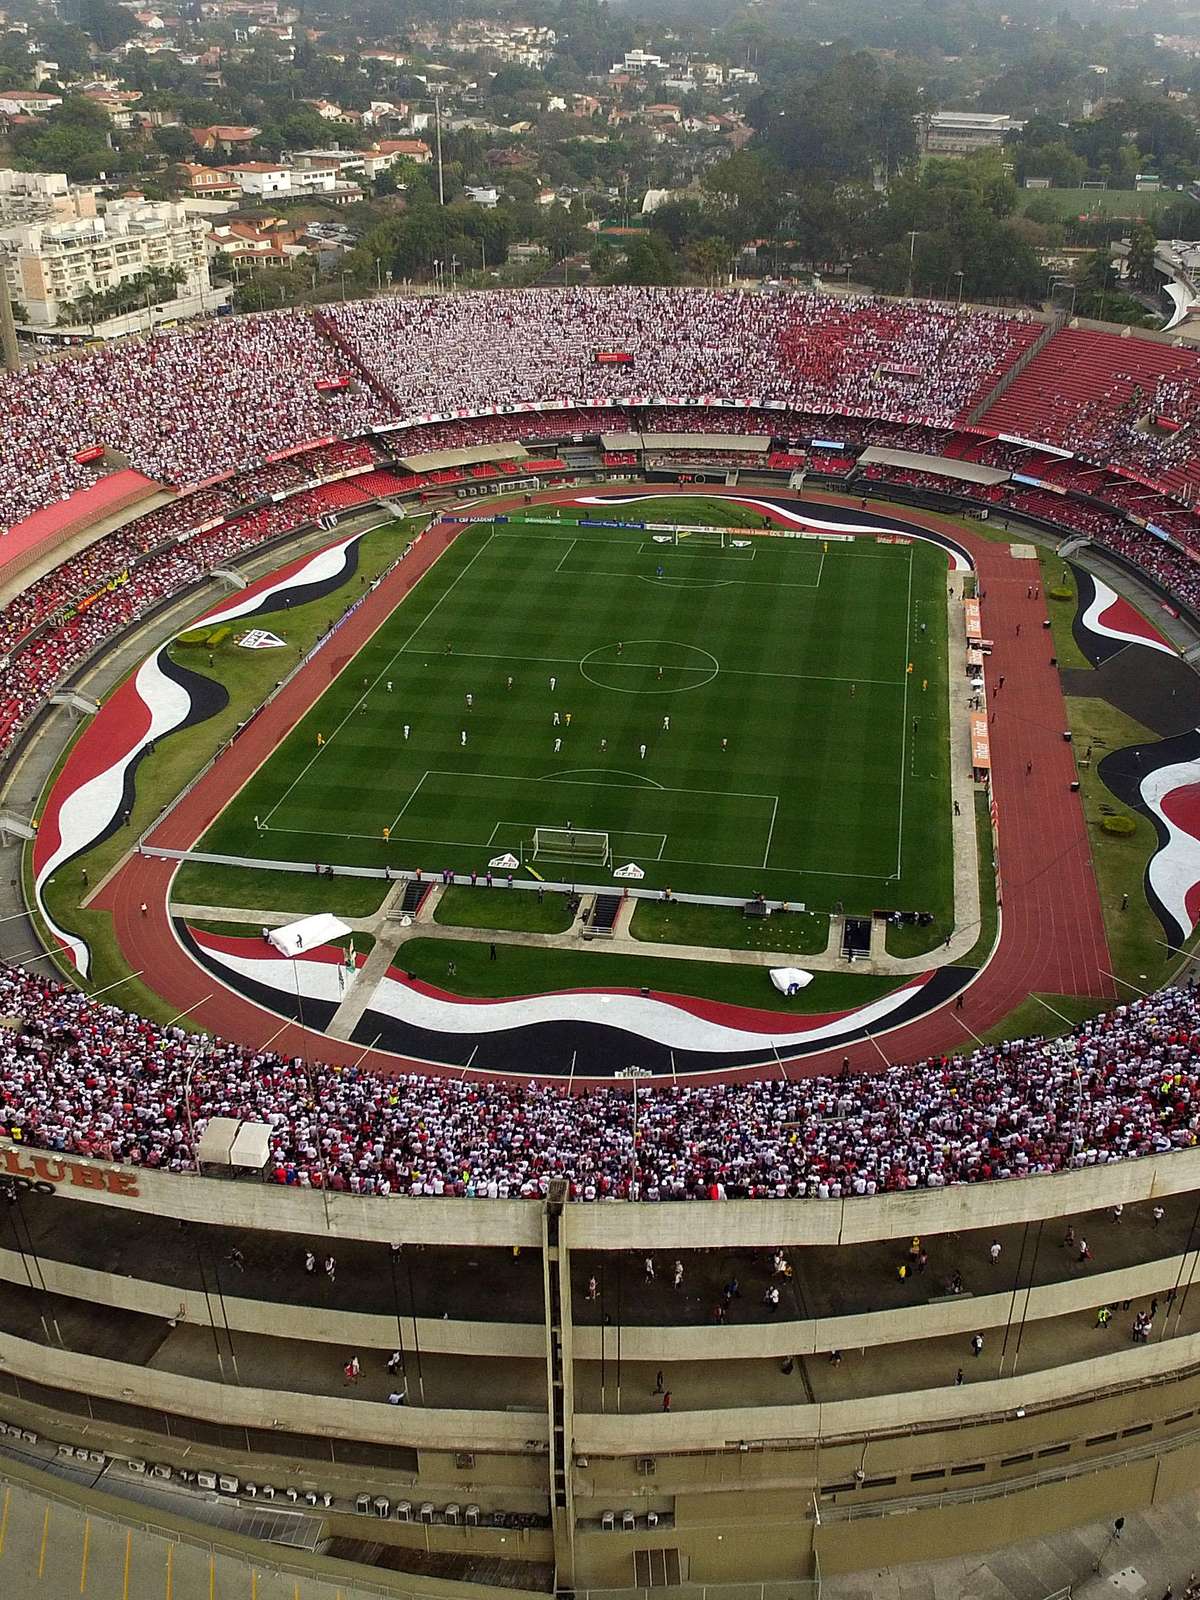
pixel 834 785
pixel 1071 203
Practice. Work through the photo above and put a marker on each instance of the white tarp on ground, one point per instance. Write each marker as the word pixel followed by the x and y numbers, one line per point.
pixel 307 934
pixel 788 979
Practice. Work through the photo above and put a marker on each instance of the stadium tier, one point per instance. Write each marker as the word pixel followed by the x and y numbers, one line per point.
pixel 882 1282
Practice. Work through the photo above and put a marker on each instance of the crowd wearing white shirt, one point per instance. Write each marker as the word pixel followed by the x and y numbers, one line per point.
pixel 81 1076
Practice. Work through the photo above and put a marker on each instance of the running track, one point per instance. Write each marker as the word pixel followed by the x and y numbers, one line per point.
pixel 1052 931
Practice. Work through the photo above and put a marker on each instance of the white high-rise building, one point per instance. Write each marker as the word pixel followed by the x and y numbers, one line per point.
pixel 53 266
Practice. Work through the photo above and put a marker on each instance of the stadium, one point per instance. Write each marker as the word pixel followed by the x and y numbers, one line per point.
pixel 598 949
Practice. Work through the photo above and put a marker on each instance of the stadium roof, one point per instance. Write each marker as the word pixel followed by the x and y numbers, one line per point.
pixel 686 441
pixel 941 466
pixel 436 460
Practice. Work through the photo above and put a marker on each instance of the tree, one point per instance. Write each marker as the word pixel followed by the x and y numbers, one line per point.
pixel 176 144
pixel 1142 247
pixel 711 259
pixel 560 231
pixel 105 22
pixel 747 185
pixel 648 259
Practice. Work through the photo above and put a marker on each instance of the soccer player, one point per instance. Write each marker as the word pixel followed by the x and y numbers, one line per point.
pixel 407 730
pixel 553 684
pixel 320 740
pixel 567 718
pixel 603 746
pixel 462 738
pixel 666 724
pixel 556 720
pixel 387 834
pixel 470 701
pixel 641 752
pixel 724 744
pixel 508 683
pixel 389 686
pixel 659 673
pixel 557 746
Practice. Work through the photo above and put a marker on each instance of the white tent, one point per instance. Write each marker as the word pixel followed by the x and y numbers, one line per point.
pixel 788 980
pixel 307 934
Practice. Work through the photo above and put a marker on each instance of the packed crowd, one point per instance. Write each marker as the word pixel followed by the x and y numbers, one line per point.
pixel 81 1076
pixel 182 406
pixel 913 361
pixel 84 621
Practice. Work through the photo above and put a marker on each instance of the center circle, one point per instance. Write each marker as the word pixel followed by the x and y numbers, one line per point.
pixel 649 666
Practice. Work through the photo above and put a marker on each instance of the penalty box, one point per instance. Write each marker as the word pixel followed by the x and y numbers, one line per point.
pixel 640 817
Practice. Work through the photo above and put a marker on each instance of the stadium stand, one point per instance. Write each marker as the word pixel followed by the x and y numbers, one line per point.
pixel 81 1076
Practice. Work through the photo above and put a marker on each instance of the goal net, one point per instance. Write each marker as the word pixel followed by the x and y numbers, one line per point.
pixel 571 844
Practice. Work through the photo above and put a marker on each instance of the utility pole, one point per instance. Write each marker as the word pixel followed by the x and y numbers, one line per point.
pixel 437 123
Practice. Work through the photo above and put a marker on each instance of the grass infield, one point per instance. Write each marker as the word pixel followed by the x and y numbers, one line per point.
pixel 832 785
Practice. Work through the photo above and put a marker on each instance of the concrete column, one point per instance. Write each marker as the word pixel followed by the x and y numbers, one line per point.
pixel 9 358
pixel 560 1368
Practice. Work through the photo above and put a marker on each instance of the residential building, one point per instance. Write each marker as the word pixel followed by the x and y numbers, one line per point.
pixel 260 178
pixel 639 61
pixel 28 102
pixel 42 197
pixel 225 140
pixel 209 183
pixel 49 265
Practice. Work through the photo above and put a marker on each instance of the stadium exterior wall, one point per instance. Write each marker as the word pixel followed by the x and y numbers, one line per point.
pixel 607 1226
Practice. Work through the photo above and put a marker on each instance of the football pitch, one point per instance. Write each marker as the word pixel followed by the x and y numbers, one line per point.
pixel 738 716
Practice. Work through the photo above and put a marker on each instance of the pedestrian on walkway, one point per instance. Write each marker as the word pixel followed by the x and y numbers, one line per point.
pixel 666 1401
pixel 976 1344
pixel 658 1381
pixel 331 1269
pixel 1084 1253
pixel 678 1273
pixel 1158 1214
pixel 958 1378
pixel 649 1265
pixel 491 952
pixel 310 1262
pixel 351 1370
pixel 1103 1316
pixel 593 1292
pixel 994 1251
pixel 393 1363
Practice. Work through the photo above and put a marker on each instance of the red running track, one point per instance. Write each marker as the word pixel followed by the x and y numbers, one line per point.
pixel 1052 930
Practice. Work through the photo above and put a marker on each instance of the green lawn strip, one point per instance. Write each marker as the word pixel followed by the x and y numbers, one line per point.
pixel 199 883
pixel 249 676
pixel 989 912
pixel 1056 574
pixel 803 933
pixel 1032 1017
pixel 524 970
pixel 518 912
pixel 1135 936
pixel 911 940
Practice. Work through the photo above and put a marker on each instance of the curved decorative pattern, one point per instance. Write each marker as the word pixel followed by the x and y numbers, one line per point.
pixel 93 795
pixel 1106 622
pixel 834 520
pixel 1171 794
pixel 599 1030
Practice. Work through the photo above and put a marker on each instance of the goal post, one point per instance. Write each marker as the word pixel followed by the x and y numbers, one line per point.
pixel 572 844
